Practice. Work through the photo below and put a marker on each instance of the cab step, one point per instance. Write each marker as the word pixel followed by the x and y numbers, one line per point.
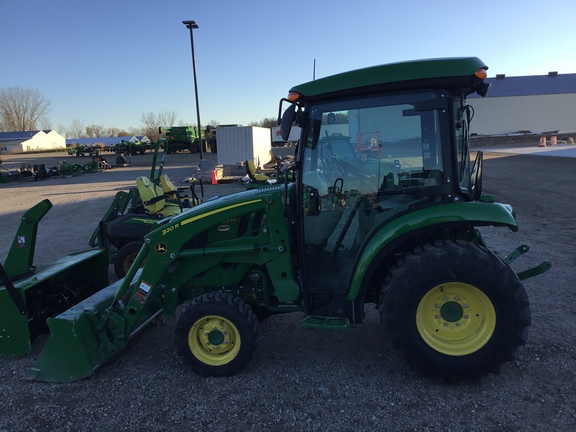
pixel 327 323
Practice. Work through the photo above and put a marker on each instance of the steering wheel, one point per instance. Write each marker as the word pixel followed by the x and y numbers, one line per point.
pixel 348 167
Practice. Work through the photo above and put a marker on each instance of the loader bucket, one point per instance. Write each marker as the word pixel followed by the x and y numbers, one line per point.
pixel 89 334
pixel 72 351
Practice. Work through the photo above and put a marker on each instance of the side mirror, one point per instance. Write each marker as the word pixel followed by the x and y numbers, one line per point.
pixel 287 120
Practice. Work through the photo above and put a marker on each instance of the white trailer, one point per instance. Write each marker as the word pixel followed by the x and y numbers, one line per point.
pixel 238 144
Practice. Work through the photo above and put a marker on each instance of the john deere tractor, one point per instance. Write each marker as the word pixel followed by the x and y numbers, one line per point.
pixel 384 210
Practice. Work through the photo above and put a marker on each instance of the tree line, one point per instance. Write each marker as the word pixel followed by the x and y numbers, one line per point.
pixel 26 109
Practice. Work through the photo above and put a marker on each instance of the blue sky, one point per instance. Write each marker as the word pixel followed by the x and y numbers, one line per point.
pixel 107 62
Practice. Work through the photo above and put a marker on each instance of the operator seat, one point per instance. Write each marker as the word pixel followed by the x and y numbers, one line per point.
pixel 173 193
pixel 251 171
pixel 154 200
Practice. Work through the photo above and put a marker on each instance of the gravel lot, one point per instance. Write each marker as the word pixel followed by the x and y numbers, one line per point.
pixel 302 379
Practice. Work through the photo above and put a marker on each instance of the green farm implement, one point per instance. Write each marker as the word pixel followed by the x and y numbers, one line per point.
pixel 30 295
pixel 384 208
pixel 185 138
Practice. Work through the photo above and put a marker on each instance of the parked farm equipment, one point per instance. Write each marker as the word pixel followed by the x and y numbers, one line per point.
pixel 29 295
pixel 185 138
pixel 132 148
pixel 83 150
pixel 97 164
pixel 352 229
pixel 133 214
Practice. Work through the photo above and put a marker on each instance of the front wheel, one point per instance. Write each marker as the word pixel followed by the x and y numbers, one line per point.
pixel 454 310
pixel 217 334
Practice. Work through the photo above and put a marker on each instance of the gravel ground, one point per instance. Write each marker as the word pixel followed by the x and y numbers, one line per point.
pixel 302 379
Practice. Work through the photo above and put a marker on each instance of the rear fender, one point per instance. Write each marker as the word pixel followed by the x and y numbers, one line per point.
pixel 456 214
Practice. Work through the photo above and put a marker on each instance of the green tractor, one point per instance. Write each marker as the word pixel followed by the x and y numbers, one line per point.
pixel 133 214
pixel 185 138
pixel 393 223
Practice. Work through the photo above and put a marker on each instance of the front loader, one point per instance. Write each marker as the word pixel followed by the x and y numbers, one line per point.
pixel 392 221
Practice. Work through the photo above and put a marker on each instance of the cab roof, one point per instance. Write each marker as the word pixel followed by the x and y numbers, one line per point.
pixel 408 71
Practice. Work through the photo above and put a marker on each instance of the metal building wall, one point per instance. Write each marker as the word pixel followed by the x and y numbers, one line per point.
pixel 535 113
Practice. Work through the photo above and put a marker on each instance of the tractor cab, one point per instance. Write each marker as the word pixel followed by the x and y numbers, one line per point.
pixel 368 158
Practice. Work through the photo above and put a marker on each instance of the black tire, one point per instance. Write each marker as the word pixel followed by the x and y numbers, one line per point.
pixel 454 310
pixel 225 349
pixel 195 147
pixel 125 257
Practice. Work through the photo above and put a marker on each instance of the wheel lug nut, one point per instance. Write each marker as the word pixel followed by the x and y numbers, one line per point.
pixel 457 324
pixel 445 324
pixel 457 298
pixel 445 298
pixel 465 316
pixel 437 316
pixel 437 306
pixel 465 306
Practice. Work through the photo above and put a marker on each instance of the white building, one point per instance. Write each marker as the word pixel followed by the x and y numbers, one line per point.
pixel 26 141
pixel 526 103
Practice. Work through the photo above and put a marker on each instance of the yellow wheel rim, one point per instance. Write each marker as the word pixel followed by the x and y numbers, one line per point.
pixel 129 261
pixel 214 340
pixel 456 319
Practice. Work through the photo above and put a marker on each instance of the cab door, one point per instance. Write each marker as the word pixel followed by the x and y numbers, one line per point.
pixel 363 163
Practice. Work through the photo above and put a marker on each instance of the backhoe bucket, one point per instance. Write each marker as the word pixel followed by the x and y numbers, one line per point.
pixel 30 295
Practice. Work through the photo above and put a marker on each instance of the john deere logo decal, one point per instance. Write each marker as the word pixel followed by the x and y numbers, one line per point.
pixel 160 248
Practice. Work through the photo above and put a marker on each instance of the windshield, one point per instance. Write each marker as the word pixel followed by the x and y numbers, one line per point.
pixel 375 144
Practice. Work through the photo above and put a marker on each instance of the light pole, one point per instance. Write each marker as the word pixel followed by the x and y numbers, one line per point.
pixel 192 25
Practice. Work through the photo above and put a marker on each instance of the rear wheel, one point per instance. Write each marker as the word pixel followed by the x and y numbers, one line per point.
pixel 454 310
pixel 217 334
pixel 125 257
